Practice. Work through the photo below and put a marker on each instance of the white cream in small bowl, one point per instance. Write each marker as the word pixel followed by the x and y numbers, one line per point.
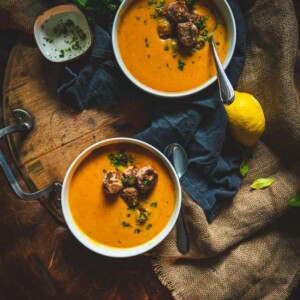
pixel 62 33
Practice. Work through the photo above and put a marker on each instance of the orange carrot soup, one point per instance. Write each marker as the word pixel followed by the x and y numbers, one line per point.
pixel 121 195
pixel 166 52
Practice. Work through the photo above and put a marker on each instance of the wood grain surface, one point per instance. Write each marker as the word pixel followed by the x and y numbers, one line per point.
pixel 39 256
pixel 60 133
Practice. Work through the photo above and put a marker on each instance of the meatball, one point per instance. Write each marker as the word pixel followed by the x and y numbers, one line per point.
pixel 194 17
pixel 199 45
pixel 177 12
pixel 187 34
pixel 112 182
pixel 129 178
pixel 146 179
pixel 130 196
pixel 164 28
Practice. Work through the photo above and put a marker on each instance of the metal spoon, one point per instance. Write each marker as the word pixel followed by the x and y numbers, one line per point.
pixel 176 154
pixel 225 88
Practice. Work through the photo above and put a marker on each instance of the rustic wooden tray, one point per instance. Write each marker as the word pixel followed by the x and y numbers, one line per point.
pixel 60 133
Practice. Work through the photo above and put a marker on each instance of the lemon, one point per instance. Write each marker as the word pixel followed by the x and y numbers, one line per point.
pixel 246 119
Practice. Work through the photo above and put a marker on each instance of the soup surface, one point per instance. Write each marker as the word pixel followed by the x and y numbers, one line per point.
pixel 157 62
pixel 107 219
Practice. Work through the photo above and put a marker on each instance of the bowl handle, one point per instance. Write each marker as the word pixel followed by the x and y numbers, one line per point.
pixel 24 124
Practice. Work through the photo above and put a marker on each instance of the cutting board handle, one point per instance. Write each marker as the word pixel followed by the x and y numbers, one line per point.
pixel 25 124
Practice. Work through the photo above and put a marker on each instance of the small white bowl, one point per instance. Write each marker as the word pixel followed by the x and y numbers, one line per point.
pixel 108 250
pixel 228 17
pixel 62 33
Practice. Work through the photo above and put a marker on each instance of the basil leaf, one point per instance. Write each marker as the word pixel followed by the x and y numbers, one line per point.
pixel 295 201
pixel 244 168
pixel 261 183
pixel 81 3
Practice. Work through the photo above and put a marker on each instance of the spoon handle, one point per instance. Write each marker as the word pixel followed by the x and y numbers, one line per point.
pixel 176 154
pixel 182 240
pixel 225 87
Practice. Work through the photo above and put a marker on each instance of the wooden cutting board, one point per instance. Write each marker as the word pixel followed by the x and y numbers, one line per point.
pixel 60 133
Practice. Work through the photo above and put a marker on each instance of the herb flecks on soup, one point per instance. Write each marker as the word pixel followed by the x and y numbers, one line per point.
pixel 164 45
pixel 134 207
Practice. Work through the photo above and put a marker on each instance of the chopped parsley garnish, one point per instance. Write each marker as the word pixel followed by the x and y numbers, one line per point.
pixel 153 204
pixel 203 37
pixel 151 2
pixel 76 46
pixel 145 183
pixel 154 16
pixel 128 215
pixel 181 65
pixel 148 226
pixel 125 224
pixel 146 42
pixel 142 218
pixel 104 171
pixel 161 4
pixel 166 48
pixel 138 18
pixel 62 54
pixel 131 208
pixel 120 158
pixel 137 230
pixel 48 40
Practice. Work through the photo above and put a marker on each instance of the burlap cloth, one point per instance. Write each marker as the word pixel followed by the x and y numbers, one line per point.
pixel 252 249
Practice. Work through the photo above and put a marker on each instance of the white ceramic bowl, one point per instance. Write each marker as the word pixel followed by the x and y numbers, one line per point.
pixel 228 17
pixel 63 47
pixel 108 250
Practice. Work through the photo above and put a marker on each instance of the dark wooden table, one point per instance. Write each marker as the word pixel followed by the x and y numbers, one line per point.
pixel 39 258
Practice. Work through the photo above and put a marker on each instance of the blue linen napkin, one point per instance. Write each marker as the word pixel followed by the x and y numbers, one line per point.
pixel 197 122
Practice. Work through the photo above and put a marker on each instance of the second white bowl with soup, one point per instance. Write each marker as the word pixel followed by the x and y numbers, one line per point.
pixel 152 44
pixel 121 197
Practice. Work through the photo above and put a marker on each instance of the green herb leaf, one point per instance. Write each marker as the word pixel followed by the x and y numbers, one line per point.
pixel 120 158
pixel 148 226
pixel 95 10
pixel 146 42
pixel 81 3
pixel 153 204
pixel 125 224
pixel 261 183
pixel 137 230
pixel 244 168
pixel 142 217
pixel 295 201
pixel 181 65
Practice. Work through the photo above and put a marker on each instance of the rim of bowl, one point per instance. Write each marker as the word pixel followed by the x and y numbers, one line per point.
pixel 67 8
pixel 230 22
pixel 108 250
